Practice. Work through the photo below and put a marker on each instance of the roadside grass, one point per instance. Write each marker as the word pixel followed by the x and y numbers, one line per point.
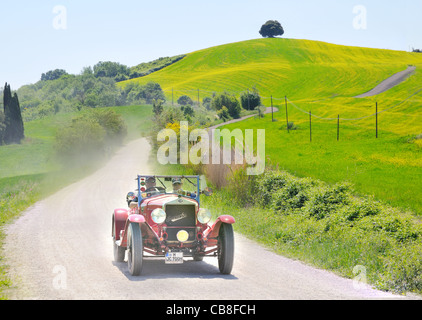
pixel 31 171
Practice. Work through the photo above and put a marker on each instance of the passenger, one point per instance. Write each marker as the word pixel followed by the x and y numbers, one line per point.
pixel 177 186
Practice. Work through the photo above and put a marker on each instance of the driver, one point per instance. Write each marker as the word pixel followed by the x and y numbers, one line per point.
pixel 150 184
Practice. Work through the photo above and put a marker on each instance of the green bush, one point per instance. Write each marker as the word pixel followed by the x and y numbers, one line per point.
pixel 229 101
pixel 90 136
pixel 292 196
pixel 325 200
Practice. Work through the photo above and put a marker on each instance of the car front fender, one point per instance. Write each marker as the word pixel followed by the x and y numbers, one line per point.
pixel 119 221
pixel 136 218
pixel 215 228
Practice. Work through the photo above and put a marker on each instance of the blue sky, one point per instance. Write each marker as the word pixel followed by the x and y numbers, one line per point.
pixel 36 39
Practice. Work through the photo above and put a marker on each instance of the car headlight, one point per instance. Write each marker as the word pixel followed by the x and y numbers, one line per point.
pixel 204 216
pixel 158 216
pixel 182 236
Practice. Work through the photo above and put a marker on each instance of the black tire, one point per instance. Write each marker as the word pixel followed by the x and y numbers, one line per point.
pixel 198 257
pixel 225 248
pixel 118 252
pixel 134 249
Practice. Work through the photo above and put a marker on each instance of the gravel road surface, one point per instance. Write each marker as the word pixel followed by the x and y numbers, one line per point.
pixel 389 83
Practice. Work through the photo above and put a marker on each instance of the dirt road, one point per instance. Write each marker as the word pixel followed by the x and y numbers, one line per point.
pixel 389 83
pixel 61 249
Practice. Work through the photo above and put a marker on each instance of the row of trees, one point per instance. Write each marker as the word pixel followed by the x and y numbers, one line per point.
pixel 70 93
pixel 11 124
pixel 227 105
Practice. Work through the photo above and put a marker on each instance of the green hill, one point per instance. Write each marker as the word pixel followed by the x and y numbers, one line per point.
pixel 316 76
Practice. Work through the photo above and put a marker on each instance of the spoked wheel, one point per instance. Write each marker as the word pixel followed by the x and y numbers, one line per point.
pixel 225 248
pixel 119 252
pixel 135 249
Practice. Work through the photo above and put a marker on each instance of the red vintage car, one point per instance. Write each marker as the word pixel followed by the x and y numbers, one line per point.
pixel 170 223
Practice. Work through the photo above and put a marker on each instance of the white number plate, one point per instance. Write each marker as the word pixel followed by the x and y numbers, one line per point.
pixel 174 257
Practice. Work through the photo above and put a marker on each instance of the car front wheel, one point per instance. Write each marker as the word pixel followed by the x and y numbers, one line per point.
pixel 135 249
pixel 225 248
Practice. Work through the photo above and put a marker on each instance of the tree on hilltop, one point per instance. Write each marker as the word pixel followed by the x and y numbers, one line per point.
pixel 271 29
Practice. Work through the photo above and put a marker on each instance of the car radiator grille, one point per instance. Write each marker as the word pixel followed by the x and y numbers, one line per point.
pixel 180 217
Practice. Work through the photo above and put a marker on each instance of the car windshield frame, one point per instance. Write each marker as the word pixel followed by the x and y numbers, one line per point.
pixel 194 180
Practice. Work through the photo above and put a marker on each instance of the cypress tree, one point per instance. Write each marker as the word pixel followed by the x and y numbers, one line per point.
pixel 14 130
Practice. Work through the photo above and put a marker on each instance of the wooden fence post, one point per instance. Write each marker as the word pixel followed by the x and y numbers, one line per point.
pixel 287 115
pixel 338 127
pixel 310 126
pixel 376 120
pixel 272 110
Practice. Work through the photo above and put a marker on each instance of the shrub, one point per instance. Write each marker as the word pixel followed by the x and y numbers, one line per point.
pixel 229 101
pixel 184 101
pixel 326 200
pixel 223 114
pixel 88 137
pixel 250 99
pixel 292 196
pixel 270 182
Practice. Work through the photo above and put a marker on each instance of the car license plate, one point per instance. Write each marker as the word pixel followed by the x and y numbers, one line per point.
pixel 174 257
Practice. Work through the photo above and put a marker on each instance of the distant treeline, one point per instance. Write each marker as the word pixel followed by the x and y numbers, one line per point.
pixel 57 91
pixel 62 92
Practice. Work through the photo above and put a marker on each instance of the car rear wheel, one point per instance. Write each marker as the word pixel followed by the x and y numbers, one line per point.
pixel 135 249
pixel 119 252
pixel 225 248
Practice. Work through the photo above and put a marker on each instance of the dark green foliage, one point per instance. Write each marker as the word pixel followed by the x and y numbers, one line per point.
pixel 146 68
pixel 110 69
pixel 13 131
pixel 250 99
pixel 53 75
pixel 2 126
pixel 229 101
pixel 157 106
pixel 188 111
pixel 184 101
pixel 271 29
pixel 223 114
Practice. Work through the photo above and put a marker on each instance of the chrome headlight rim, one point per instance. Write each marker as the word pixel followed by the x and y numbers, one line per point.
pixel 158 216
pixel 204 216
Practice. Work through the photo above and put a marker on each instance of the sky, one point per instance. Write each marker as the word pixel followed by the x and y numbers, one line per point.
pixel 38 36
